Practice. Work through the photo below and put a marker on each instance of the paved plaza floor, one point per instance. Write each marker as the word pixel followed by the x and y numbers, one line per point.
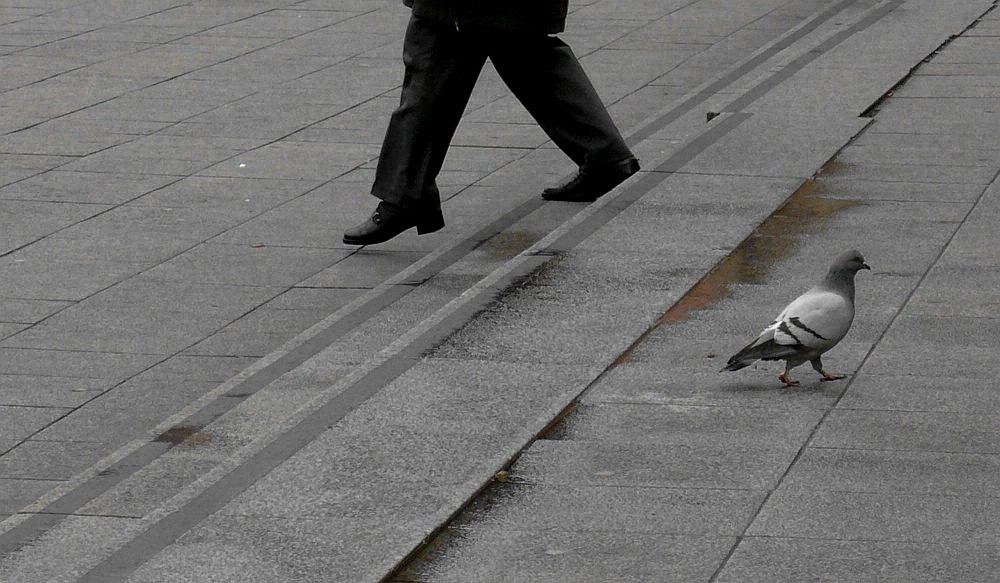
pixel 200 382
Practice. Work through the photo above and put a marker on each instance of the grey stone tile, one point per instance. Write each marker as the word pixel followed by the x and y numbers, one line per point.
pixel 52 460
pixel 144 315
pixel 114 367
pixel 8 329
pixel 922 393
pixel 257 333
pixel 848 91
pixel 523 326
pixel 82 542
pixel 875 188
pixel 49 391
pixel 508 397
pixel 952 86
pixel 316 219
pixel 768 145
pixel 147 489
pixel 28 311
pixel 916 172
pixel 244 198
pixel 958 291
pixel 245 265
pixel 199 368
pixel 37 273
pixel 99 426
pixel 952 108
pixel 295 161
pixel 879 517
pixel 21 423
pixel 310 298
pixel 363 269
pixel 617 73
pixel 967 50
pixel 17 167
pixel 684 237
pixel 971 362
pixel 459 556
pixel 16 494
pixel 613 509
pixel 849 470
pixel 594 463
pixel 49 140
pixel 360 344
pixel 133 234
pixel 918 333
pixel 688 425
pixel 862 561
pixel 272 548
pixel 925 149
pixel 161 154
pixel 978 127
pixel 697 381
pixel 911 431
pixel 24 222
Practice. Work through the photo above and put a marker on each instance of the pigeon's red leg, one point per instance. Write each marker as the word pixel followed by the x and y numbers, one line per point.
pixel 787 381
pixel 817 364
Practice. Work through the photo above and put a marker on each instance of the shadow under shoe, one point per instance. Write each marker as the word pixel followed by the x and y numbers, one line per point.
pixel 592 183
pixel 389 220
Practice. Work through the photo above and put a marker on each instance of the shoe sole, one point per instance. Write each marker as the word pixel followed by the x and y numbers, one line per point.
pixel 423 228
pixel 553 196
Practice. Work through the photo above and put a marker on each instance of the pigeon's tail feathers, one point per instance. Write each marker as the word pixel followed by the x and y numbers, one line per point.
pixel 757 350
pixel 736 364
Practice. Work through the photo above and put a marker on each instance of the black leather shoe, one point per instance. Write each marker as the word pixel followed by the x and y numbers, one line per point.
pixel 590 184
pixel 389 220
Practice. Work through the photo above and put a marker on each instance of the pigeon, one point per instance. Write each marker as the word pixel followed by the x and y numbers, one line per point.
pixel 809 326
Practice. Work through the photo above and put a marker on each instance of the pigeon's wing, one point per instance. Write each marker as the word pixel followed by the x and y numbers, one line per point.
pixel 812 324
pixel 816 321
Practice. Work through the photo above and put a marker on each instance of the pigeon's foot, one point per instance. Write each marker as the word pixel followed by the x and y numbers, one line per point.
pixel 833 377
pixel 787 381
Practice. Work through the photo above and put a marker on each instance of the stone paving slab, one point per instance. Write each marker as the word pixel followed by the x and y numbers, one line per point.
pixel 610 463
pixel 572 556
pixel 879 516
pixel 609 508
pixel 795 559
pixel 912 472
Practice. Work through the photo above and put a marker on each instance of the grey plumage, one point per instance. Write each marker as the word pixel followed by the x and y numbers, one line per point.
pixel 809 326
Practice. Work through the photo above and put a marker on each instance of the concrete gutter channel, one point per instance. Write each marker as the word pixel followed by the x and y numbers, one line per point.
pixel 400 445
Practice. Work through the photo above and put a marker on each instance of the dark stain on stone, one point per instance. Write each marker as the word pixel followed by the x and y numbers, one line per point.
pixel 751 261
pixel 186 434
pixel 508 243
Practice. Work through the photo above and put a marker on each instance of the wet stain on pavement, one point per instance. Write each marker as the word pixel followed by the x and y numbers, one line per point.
pixel 751 261
pixel 509 243
pixel 184 434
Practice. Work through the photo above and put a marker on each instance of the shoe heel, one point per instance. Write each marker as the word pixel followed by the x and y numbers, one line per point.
pixel 430 224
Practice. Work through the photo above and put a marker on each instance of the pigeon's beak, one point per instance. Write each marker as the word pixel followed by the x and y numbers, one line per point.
pixel 865 266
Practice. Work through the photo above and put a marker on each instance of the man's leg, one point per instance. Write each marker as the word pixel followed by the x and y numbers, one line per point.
pixel 441 71
pixel 545 75
pixel 442 66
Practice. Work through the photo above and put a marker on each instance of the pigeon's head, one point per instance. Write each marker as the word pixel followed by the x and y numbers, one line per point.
pixel 849 263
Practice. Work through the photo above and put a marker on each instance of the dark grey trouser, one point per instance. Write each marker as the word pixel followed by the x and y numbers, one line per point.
pixel 442 66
